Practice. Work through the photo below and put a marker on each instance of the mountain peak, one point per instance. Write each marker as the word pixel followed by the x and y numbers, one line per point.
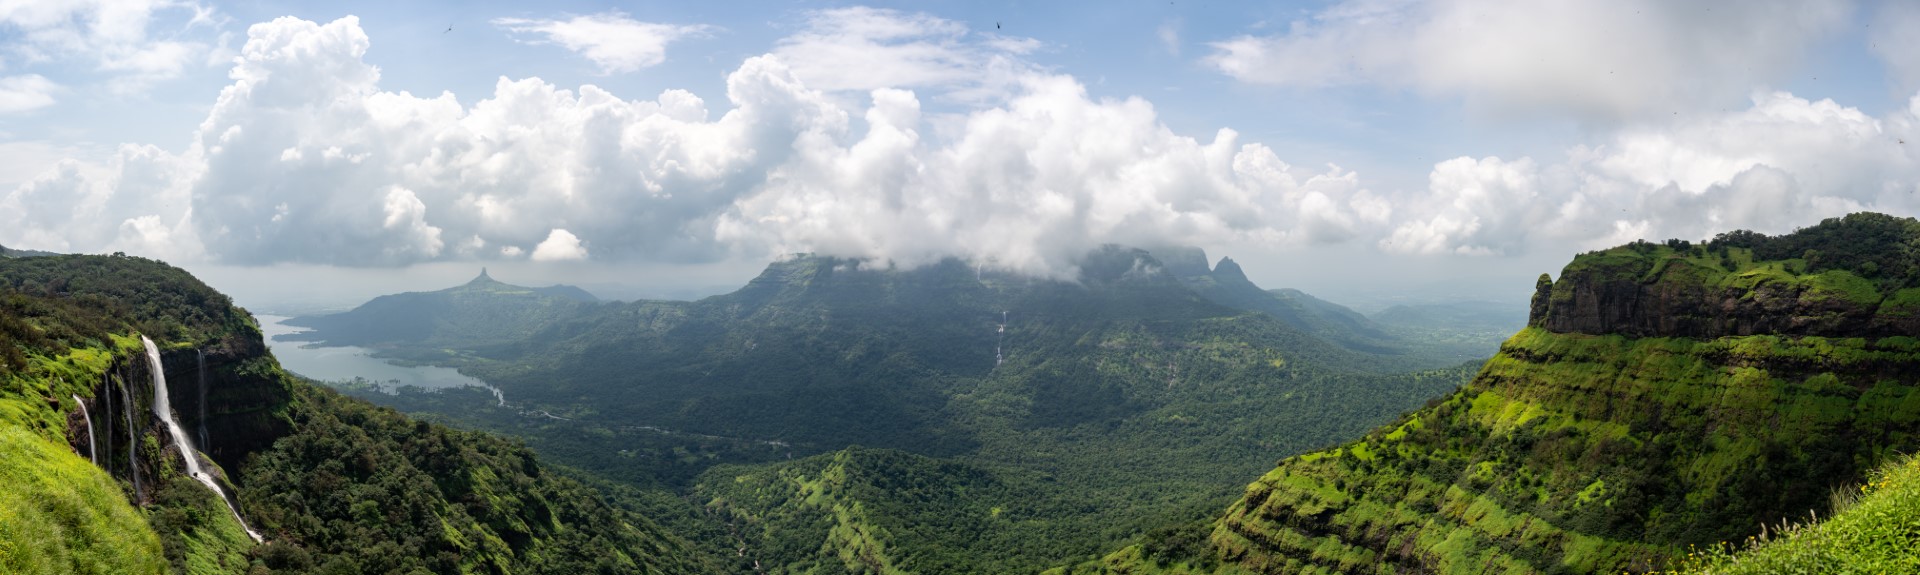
pixel 1227 269
pixel 483 278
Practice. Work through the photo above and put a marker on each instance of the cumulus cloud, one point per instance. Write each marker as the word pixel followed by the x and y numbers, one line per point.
pixel 1600 60
pixel 1782 162
pixel 612 40
pixel 1034 185
pixel 559 246
pixel 304 158
pixel 26 92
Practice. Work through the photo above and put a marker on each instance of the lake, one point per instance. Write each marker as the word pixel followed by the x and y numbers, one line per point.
pixel 347 363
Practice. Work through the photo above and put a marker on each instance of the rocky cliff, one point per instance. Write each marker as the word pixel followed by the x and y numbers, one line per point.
pixel 1840 278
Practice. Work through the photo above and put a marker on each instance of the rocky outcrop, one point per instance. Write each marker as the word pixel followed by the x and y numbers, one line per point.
pixel 1679 300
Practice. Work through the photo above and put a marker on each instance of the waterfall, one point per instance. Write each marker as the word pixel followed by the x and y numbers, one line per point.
pixel 997 358
pixel 200 358
pixel 133 451
pixel 107 393
pixel 164 408
pixel 93 452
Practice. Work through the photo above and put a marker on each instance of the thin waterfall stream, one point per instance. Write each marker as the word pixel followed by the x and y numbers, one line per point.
pixel 93 451
pixel 164 408
pixel 133 460
pixel 200 361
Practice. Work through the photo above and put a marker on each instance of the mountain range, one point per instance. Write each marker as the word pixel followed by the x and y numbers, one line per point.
pixel 1740 405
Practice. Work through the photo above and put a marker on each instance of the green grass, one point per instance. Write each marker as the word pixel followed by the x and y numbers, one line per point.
pixel 60 514
pixel 1876 530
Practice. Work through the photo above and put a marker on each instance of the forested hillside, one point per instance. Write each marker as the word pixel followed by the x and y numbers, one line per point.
pixel 1098 408
pixel 331 484
pixel 1666 396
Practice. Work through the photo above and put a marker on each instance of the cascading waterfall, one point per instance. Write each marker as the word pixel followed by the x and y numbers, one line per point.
pixel 164 408
pixel 93 451
pixel 200 361
pixel 133 460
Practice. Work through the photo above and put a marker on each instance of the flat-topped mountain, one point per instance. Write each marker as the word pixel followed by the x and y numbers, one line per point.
pixel 1847 277
pixel 1666 395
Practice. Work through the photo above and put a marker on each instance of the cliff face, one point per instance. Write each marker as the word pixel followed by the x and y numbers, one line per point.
pixel 1667 294
pixel 1847 277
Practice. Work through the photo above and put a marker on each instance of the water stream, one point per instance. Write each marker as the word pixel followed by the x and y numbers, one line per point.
pixel 164 408
pixel 93 452
pixel 133 462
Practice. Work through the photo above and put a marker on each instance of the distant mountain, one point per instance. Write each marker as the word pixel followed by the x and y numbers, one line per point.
pixel 1109 403
pixel 6 252
pixel 1466 315
pixel 479 313
pixel 97 427
pixel 1430 335
pixel 1227 284
pixel 1662 396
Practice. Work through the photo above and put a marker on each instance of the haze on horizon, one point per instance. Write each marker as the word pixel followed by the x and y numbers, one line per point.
pixel 307 156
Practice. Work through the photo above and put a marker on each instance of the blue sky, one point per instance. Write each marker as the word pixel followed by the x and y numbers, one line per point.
pixel 1476 143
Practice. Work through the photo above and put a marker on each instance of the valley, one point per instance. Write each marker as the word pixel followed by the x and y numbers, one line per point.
pixel 833 418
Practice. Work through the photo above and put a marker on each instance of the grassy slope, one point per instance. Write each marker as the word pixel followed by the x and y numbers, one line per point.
pixel 1874 529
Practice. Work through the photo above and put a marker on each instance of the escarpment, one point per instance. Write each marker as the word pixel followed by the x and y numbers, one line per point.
pixel 1847 277
pixel 1663 396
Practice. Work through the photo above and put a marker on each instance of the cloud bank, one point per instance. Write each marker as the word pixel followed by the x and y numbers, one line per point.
pixel 304 158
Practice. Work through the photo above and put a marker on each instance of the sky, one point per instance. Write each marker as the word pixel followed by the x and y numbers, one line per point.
pixel 303 154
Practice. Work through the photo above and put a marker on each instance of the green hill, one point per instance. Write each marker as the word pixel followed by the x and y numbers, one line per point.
pixel 96 483
pixel 1666 396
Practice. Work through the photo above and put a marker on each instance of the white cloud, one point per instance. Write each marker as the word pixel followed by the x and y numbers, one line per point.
pixel 1036 184
pixel 305 159
pixel 1781 163
pixel 560 245
pixel 863 49
pixel 26 92
pixel 612 40
pixel 112 35
pixel 1595 59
